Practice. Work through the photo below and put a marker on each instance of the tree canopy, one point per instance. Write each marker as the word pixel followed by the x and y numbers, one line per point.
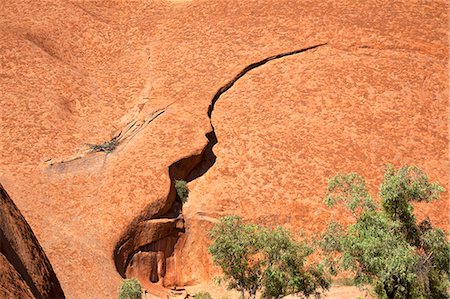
pixel 386 247
pixel 254 258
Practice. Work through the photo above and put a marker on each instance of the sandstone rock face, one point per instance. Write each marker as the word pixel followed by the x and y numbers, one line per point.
pixel 11 284
pixel 137 78
pixel 26 271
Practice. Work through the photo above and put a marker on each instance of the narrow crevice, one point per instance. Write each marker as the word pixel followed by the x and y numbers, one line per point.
pixel 187 169
pixel 208 158
pixel 146 229
pixel 250 67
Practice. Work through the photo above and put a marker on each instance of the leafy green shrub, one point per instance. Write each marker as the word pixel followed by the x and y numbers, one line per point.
pixel 386 247
pixel 254 258
pixel 182 190
pixel 130 289
pixel 202 295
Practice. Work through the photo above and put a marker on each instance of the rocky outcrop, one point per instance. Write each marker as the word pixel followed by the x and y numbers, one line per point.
pixel 11 283
pixel 26 268
pixel 146 249
pixel 287 127
pixel 76 73
pixel 150 243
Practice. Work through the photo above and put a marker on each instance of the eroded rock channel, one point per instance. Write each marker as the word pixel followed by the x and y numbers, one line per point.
pixel 146 249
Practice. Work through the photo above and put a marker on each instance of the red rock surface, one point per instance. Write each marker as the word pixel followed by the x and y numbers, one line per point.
pixel 26 270
pixel 78 72
pixel 11 283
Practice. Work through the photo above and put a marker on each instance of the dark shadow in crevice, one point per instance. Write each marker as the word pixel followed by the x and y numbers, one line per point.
pixel 166 245
pixel 208 158
pixel 250 67
pixel 172 208
pixel 187 169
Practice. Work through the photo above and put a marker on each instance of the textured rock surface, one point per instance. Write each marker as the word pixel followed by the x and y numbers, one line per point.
pixel 11 284
pixel 26 270
pixel 76 73
pixel 274 157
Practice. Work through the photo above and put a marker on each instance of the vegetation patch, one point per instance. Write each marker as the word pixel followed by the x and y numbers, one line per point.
pixel 272 261
pixel 202 295
pixel 130 289
pixel 386 247
pixel 107 146
pixel 182 190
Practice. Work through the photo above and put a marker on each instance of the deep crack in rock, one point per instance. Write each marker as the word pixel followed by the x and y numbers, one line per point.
pixel 158 228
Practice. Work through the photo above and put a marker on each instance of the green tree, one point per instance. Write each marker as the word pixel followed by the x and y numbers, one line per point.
pixel 285 270
pixel 130 289
pixel 254 259
pixel 234 248
pixel 399 189
pixel 386 247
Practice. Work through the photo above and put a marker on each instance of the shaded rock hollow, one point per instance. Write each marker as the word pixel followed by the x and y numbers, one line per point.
pixel 147 248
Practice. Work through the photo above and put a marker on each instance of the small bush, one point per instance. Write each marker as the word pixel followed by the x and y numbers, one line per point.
pixel 202 295
pixel 130 289
pixel 182 190
pixel 107 146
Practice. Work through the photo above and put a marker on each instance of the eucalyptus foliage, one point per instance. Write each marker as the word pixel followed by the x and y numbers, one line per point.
pixel 386 247
pixel 254 258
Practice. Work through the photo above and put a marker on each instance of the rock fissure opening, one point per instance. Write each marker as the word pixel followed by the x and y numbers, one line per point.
pixel 158 229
